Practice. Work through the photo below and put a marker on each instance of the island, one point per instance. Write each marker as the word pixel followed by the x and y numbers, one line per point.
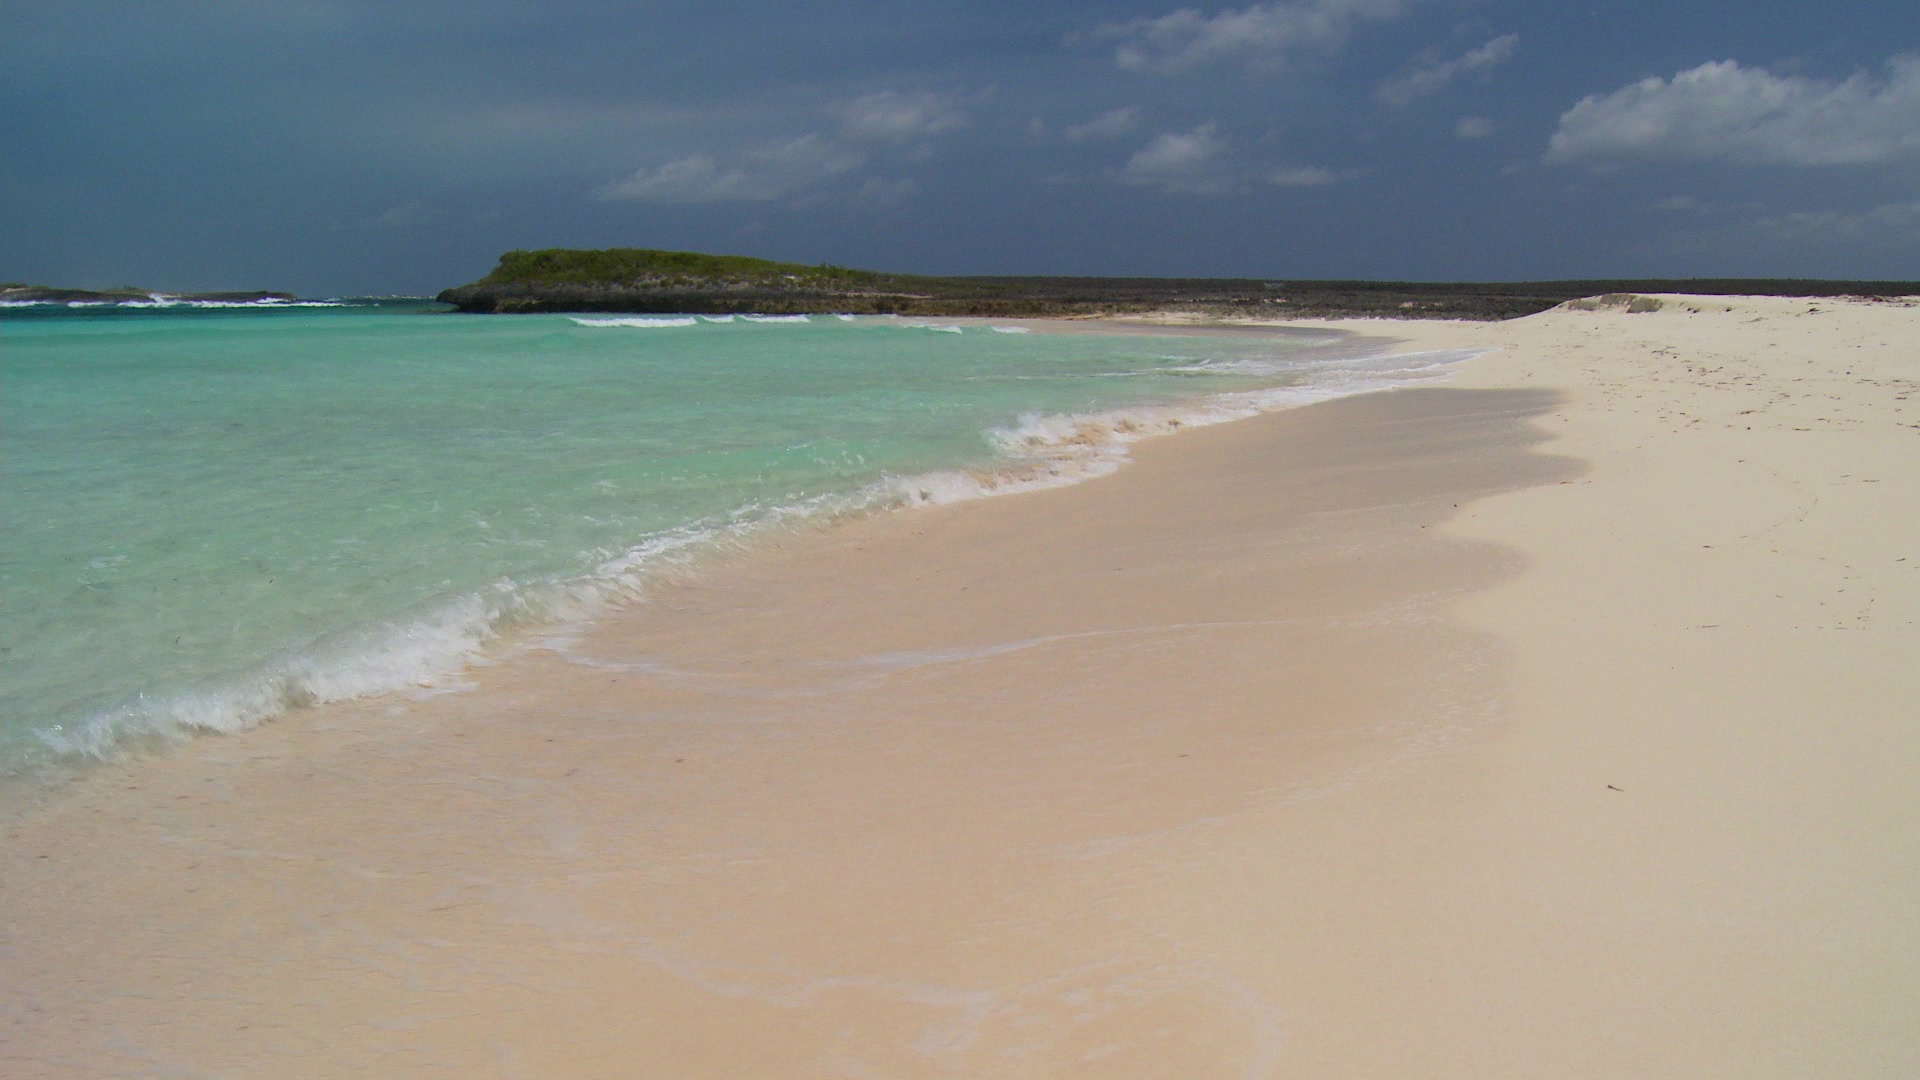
pixel 643 280
pixel 17 295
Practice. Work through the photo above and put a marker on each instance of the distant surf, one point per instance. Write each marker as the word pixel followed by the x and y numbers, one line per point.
pixel 636 322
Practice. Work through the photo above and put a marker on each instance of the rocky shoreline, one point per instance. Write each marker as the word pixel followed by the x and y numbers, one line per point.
pixel 642 281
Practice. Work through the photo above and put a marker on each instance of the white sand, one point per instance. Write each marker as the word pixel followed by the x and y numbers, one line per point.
pixel 1695 850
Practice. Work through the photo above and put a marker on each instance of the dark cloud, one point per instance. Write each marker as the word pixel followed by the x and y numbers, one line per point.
pixel 351 146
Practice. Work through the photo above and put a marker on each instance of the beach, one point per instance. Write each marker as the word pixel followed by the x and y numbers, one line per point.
pixel 1555 721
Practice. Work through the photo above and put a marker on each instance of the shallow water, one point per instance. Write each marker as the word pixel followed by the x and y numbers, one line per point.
pixel 214 516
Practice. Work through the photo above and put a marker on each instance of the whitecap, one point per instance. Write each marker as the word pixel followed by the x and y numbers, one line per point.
pixel 636 322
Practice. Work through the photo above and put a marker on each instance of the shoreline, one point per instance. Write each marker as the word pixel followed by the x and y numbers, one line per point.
pixel 1364 738
pixel 1039 451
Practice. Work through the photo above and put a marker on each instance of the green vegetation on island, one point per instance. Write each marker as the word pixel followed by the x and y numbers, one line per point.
pixel 572 266
pixel 644 280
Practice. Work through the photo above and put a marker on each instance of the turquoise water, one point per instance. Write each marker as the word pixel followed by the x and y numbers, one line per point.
pixel 215 516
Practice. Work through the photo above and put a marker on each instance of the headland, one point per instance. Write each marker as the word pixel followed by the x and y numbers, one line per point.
pixel 645 281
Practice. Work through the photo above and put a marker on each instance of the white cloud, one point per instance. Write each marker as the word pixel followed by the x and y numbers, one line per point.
pixel 759 175
pixel 1724 112
pixel 885 193
pixel 401 217
pixel 1201 162
pixel 1192 163
pixel 1304 176
pixel 492 136
pixel 1888 225
pixel 1473 127
pixel 1107 125
pixel 1268 35
pixel 1428 77
pixel 891 116
pixel 795 167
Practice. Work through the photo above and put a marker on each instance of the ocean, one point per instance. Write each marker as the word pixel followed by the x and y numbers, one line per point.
pixel 213 515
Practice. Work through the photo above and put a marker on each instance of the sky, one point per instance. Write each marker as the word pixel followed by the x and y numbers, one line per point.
pixel 335 147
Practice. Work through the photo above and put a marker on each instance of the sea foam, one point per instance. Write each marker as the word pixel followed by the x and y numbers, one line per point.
pixel 1047 450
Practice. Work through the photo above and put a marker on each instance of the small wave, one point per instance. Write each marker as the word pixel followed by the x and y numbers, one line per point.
pixel 716 318
pixel 163 300
pixel 636 322
pixel 260 304
pixel 1011 329
pixel 777 318
pixel 156 303
pixel 1365 363
pixel 423 652
pixel 846 318
pixel 1053 450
